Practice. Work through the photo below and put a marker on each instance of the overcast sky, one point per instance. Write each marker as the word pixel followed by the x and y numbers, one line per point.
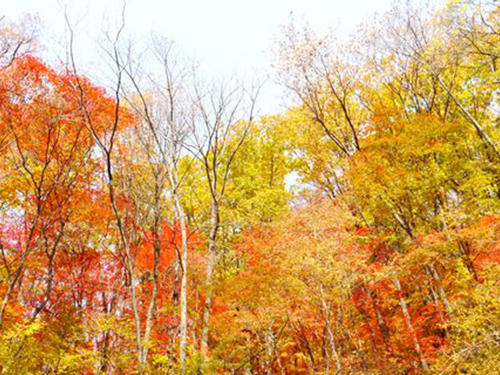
pixel 227 37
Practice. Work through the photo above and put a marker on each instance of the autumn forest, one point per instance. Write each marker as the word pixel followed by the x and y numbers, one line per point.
pixel 155 222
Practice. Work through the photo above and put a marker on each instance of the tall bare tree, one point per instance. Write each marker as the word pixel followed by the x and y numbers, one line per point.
pixel 221 118
pixel 162 104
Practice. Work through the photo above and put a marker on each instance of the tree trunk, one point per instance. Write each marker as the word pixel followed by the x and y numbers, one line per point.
pixel 409 325
pixel 441 292
pixel 384 329
pixel 329 331
pixel 152 302
pixel 215 222
pixel 183 328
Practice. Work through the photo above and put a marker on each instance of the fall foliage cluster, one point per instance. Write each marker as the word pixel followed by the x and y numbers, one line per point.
pixel 158 225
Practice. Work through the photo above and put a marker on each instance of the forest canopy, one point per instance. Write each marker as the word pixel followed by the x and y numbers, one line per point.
pixel 155 222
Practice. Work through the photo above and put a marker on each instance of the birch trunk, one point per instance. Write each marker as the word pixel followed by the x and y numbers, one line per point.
pixel 409 325
pixel 183 328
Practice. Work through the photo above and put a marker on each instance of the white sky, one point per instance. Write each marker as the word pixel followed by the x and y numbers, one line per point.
pixel 227 37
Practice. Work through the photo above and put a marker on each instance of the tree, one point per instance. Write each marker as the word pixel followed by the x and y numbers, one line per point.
pixel 218 134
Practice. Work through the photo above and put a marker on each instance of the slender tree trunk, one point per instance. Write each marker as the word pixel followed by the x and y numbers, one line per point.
pixel 50 276
pixel 333 346
pixel 211 261
pixel 441 291
pixel 152 302
pixel 10 290
pixel 380 319
pixel 435 299
pixel 270 348
pixel 129 262
pixel 183 261
pixel 329 331
pixel 361 349
pixel 485 138
pixel 409 325
pixel 464 248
